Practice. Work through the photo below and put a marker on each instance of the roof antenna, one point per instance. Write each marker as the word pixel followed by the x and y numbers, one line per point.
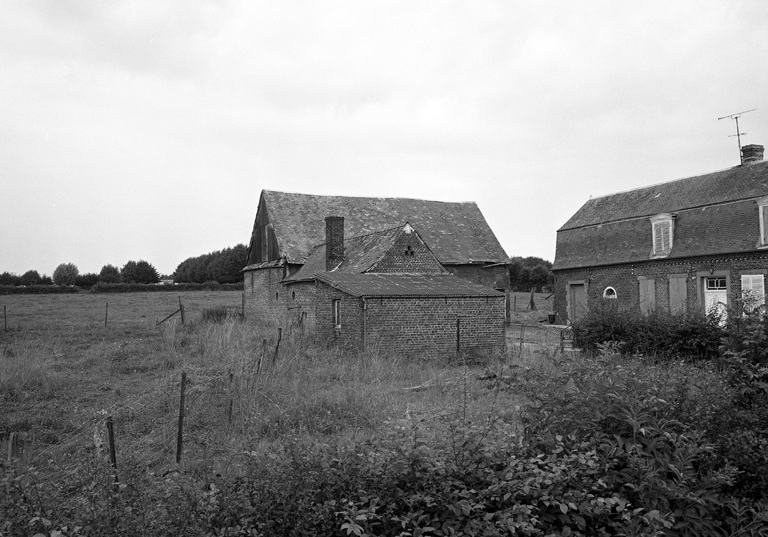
pixel 738 134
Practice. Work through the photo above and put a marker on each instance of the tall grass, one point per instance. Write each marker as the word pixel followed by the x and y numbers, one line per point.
pixel 27 368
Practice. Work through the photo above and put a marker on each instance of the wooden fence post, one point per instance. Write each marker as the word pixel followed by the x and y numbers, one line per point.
pixel 112 453
pixel 179 438
pixel 5 317
pixel 277 346
pixel 229 410
pixel 106 313
pixel 181 309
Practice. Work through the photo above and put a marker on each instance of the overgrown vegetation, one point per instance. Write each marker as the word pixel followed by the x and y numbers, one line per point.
pixel 292 439
pixel 223 266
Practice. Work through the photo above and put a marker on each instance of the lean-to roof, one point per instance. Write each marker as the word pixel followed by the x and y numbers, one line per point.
pixel 404 285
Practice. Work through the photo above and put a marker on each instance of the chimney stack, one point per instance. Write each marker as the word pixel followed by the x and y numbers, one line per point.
pixel 751 153
pixel 334 241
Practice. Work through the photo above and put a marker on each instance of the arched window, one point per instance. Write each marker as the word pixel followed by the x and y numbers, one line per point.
pixel 609 292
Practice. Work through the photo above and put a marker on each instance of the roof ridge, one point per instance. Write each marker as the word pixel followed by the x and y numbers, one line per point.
pixel 367 197
pixel 663 183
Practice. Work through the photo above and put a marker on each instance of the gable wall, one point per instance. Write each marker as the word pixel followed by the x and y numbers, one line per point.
pixel 395 260
pixel 625 280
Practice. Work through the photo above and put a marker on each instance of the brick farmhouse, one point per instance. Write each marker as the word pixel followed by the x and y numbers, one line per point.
pixel 682 246
pixel 412 277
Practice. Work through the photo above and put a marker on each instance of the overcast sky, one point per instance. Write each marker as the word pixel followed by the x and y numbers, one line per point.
pixel 146 130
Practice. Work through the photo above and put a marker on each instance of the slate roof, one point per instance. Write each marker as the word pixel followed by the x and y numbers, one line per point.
pixel 405 285
pixel 715 213
pixel 737 183
pixel 457 233
pixel 360 254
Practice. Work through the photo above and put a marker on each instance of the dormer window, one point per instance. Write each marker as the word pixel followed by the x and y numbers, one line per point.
pixel 762 206
pixel 663 234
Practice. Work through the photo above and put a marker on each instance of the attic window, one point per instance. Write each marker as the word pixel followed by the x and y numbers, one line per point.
pixel 610 292
pixel 663 226
pixel 762 206
pixel 408 251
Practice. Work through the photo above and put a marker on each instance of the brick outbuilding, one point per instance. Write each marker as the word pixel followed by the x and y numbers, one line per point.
pixel 383 291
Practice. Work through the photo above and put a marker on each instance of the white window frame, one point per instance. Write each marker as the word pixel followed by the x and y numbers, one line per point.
pixel 762 211
pixel 611 296
pixel 657 223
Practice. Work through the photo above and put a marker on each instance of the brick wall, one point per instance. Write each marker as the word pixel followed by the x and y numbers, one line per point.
pixel 350 335
pixel 409 254
pixel 624 279
pixel 427 326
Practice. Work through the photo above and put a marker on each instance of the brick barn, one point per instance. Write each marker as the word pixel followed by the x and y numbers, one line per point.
pixel 384 285
pixel 682 246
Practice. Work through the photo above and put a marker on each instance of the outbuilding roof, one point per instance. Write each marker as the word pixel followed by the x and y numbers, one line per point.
pixel 457 232
pixel 405 285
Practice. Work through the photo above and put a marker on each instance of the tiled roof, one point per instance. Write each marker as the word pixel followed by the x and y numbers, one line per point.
pixel 737 183
pixel 384 285
pixel 360 254
pixel 715 214
pixel 457 233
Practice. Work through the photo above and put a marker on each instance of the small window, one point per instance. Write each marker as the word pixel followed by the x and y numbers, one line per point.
pixel 293 295
pixel 276 295
pixel 663 233
pixel 752 290
pixel 609 292
pixel 408 251
pixel 336 303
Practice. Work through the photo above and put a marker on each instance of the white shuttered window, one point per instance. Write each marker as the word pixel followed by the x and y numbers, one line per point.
pixel 753 290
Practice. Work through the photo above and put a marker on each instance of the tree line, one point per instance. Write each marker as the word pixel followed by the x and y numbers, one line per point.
pixel 223 266
pixel 68 274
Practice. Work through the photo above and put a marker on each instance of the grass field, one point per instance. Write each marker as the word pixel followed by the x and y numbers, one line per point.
pixel 62 372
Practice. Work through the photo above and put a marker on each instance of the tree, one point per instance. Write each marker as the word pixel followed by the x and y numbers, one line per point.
pixel 109 274
pixel 31 277
pixel 87 280
pixel 224 266
pixel 6 278
pixel 139 272
pixel 46 280
pixel 65 274
pixel 528 272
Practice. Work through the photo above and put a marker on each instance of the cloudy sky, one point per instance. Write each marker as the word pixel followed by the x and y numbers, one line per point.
pixel 146 130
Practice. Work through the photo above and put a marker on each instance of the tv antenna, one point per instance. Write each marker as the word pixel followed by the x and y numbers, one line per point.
pixel 738 134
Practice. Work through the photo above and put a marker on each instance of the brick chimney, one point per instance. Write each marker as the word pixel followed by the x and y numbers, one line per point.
pixel 751 153
pixel 334 241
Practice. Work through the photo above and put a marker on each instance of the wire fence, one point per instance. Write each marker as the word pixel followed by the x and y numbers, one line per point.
pixel 522 336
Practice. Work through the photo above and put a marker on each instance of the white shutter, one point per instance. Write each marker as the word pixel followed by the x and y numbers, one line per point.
pixel 753 289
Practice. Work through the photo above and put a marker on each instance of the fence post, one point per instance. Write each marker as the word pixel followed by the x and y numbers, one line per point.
pixel 181 309
pixel 106 313
pixel 277 346
pixel 5 317
pixel 180 436
pixel 112 453
pixel 229 410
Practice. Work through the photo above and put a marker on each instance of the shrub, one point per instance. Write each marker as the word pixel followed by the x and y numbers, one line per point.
pixel 36 290
pixel 689 336
pixel 65 274
pixel 6 278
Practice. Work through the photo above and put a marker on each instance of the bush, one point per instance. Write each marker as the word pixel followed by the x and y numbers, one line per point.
pixel 65 274
pixel 662 335
pixel 36 290
pixel 102 287
pixel 31 277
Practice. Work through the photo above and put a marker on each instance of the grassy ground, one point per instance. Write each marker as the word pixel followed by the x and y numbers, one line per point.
pixel 62 372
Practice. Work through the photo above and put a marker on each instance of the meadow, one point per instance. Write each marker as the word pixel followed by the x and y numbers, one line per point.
pixel 289 438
